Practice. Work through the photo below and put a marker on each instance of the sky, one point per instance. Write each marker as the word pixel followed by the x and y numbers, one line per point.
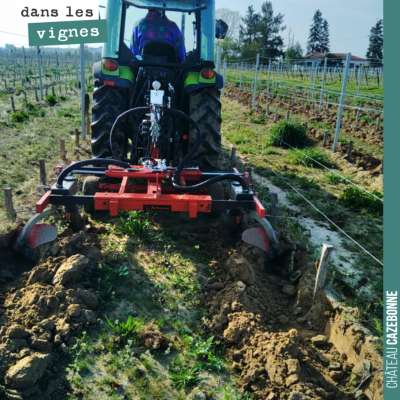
pixel 350 21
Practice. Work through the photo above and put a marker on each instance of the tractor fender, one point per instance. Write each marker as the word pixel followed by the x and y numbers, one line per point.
pixel 97 70
pixel 219 84
pixel 125 81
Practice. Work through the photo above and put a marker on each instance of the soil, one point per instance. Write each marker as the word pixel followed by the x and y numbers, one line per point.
pixel 260 308
pixel 274 332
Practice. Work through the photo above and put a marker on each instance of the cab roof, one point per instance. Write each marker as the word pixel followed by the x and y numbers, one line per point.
pixel 169 5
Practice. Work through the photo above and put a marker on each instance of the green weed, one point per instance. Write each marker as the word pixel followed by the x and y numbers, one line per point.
pixel 311 158
pixel 306 183
pixel 289 132
pixel 334 179
pixel 20 116
pixel 260 119
pixel 182 376
pixel 367 119
pixel 105 280
pixel 133 223
pixel 51 100
pixel 357 199
pixel 79 365
pixel 131 326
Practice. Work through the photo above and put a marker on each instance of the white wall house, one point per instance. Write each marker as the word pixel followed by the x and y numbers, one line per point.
pixel 314 59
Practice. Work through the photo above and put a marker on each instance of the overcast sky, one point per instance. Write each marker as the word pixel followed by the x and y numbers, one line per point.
pixel 350 21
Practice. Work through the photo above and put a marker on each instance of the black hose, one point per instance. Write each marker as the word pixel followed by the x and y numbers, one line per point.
pixel 189 155
pixel 136 85
pixel 138 110
pixel 94 161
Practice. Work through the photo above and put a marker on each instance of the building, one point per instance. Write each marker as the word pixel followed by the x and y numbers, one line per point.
pixel 338 59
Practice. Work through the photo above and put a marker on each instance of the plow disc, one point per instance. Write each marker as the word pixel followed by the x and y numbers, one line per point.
pixel 34 235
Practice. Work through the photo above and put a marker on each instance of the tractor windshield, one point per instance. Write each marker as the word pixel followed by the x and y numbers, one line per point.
pixel 180 24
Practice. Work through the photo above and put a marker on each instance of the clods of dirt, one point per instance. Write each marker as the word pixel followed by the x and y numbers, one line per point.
pixel 280 345
pixel 44 311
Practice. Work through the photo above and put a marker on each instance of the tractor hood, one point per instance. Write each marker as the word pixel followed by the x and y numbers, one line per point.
pixel 171 5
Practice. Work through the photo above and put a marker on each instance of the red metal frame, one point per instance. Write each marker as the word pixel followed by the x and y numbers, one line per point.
pixel 153 196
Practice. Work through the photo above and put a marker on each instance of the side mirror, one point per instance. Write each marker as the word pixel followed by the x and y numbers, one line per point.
pixel 221 29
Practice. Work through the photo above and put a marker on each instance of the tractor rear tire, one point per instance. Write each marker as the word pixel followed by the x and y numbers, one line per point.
pixel 108 104
pixel 90 187
pixel 205 109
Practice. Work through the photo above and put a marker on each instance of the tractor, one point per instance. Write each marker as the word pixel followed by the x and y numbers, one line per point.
pixel 156 131
pixel 124 81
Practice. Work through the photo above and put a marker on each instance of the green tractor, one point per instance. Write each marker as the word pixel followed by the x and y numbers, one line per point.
pixel 124 81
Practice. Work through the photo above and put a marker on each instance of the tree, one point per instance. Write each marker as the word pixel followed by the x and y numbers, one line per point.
pixel 325 37
pixel 270 29
pixel 375 48
pixel 294 52
pixel 332 60
pixel 232 18
pixel 316 40
pixel 249 31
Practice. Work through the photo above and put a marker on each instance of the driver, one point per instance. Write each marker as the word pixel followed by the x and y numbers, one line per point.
pixel 156 26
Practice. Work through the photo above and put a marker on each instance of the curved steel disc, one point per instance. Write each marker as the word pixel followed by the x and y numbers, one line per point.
pixel 257 237
pixel 41 234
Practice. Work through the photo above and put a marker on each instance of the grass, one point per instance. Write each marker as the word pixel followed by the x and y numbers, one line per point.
pixel 292 133
pixel 357 199
pixel 133 222
pixel 335 179
pixel 306 183
pixel 147 287
pixel 184 376
pixel 322 188
pixel 311 157
pixel 130 327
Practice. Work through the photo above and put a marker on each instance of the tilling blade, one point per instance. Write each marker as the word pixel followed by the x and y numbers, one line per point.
pixel 41 234
pixel 257 237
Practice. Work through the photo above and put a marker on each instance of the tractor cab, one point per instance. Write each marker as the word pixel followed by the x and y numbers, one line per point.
pixel 196 22
pixel 126 75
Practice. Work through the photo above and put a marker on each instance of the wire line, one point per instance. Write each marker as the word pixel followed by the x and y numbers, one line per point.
pixel 341 230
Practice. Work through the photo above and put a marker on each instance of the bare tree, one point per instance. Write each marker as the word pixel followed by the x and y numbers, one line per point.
pixel 232 18
pixel 290 42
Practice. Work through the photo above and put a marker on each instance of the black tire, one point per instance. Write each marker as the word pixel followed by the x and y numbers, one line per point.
pixel 90 187
pixel 108 104
pixel 205 109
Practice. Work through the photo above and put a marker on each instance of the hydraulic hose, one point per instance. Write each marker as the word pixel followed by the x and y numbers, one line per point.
pixel 94 161
pixel 189 155
pixel 120 118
